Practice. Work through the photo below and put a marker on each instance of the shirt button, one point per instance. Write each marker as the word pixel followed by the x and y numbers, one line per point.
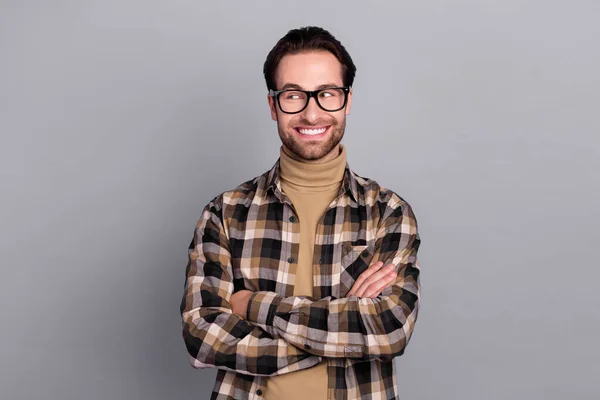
pixel 365 253
pixel 259 392
pixel 292 219
pixel 291 260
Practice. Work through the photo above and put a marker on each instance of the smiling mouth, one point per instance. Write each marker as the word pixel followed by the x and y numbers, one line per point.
pixel 312 131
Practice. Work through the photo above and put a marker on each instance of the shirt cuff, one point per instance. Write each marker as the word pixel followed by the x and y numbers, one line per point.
pixel 261 308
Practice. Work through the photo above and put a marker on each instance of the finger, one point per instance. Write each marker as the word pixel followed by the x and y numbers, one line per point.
pixel 378 275
pixel 370 278
pixel 363 276
pixel 376 288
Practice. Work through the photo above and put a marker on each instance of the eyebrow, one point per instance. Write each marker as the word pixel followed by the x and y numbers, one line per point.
pixel 296 86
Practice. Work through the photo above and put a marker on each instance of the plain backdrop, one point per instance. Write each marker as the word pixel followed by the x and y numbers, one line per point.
pixel 120 120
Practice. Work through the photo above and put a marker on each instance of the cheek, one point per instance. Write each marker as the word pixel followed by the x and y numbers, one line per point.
pixel 340 118
pixel 286 121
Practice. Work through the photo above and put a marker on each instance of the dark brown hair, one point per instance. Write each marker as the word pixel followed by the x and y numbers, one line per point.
pixel 310 38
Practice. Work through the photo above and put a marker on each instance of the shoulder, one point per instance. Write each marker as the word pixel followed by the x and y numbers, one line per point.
pixel 240 195
pixel 388 201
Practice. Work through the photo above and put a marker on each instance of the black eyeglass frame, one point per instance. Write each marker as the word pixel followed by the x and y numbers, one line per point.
pixel 309 94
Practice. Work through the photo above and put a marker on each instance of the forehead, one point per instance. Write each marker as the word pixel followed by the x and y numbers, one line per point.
pixel 309 70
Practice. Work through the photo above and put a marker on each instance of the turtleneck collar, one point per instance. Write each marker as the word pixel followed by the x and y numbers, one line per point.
pixel 306 173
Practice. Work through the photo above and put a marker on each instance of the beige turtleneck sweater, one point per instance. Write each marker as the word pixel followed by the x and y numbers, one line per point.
pixel 311 187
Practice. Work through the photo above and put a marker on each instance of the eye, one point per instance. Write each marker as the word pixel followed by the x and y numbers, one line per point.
pixel 293 95
pixel 329 93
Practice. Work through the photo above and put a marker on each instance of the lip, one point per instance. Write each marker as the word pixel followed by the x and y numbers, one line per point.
pixel 320 135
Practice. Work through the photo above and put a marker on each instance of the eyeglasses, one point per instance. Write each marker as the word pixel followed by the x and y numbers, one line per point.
pixel 292 101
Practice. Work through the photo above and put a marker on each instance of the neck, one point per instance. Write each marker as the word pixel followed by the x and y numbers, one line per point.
pixel 311 173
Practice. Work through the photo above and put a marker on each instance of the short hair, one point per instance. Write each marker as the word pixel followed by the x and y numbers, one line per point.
pixel 310 38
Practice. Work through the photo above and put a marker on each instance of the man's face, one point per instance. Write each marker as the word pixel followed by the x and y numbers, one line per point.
pixel 310 71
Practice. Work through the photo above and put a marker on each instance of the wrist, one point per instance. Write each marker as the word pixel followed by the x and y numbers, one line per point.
pixel 262 307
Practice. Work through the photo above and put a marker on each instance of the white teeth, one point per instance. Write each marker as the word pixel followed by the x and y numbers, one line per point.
pixel 312 131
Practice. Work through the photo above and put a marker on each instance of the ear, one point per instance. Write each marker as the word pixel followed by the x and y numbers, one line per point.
pixel 349 103
pixel 272 106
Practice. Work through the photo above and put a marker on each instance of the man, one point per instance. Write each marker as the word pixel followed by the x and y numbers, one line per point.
pixel 303 283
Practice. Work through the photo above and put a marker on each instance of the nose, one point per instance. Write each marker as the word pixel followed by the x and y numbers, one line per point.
pixel 312 112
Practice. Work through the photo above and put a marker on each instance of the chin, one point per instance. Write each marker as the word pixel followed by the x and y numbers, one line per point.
pixel 312 152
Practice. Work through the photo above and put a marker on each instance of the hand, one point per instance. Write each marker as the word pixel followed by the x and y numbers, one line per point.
pixel 239 302
pixel 372 281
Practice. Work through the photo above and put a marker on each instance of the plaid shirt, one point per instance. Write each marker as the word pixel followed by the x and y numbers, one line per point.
pixel 248 238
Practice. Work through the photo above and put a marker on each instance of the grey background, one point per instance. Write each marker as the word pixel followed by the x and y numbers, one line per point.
pixel 119 121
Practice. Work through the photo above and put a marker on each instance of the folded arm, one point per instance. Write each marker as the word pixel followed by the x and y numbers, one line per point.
pixel 353 327
pixel 213 335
